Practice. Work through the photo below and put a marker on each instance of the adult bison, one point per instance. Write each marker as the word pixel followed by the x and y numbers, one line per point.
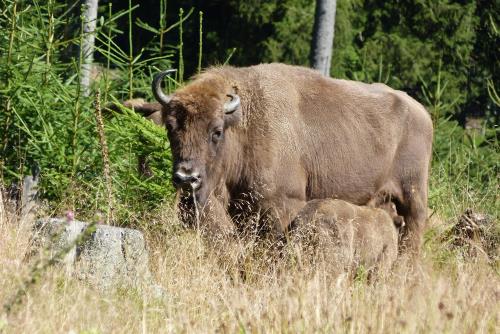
pixel 269 138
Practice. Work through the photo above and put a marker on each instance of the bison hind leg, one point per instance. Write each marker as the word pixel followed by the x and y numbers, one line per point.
pixel 413 208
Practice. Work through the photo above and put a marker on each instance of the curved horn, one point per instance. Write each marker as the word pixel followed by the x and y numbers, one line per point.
pixel 156 86
pixel 231 106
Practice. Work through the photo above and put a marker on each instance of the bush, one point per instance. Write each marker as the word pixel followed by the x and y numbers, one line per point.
pixel 48 121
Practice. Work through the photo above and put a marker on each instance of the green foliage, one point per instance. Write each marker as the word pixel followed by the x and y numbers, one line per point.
pixel 258 31
pixel 465 169
pixel 403 43
pixel 45 120
pixel 291 35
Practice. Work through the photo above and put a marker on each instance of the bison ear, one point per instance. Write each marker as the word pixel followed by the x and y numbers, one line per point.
pixel 232 111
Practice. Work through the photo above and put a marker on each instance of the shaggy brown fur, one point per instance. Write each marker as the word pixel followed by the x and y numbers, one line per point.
pixel 354 235
pixel 299 136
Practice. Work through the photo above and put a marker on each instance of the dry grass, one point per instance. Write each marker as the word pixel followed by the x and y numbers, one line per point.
pixel 207 292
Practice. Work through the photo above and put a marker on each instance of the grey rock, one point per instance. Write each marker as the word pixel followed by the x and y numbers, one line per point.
pixel 107 257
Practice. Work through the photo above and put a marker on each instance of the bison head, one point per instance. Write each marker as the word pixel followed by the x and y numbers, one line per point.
pixel 197 117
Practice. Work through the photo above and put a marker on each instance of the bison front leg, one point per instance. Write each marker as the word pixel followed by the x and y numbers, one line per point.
pixel 210 218
pixel 214 220
pixel 282 200
pixel 216 227
pixel 279 213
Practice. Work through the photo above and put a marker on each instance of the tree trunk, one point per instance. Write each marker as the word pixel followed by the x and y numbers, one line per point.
pixel 87 51
pixel 322 42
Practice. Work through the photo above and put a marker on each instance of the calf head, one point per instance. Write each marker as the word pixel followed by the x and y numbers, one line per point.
pixel 197 117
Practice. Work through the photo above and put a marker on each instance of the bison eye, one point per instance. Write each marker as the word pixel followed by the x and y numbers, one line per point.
pixel 216 135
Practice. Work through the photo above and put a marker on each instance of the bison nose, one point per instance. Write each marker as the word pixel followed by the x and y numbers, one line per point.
pixel 182 179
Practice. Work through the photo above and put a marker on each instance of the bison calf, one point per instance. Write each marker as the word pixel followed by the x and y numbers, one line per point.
pixel 349 235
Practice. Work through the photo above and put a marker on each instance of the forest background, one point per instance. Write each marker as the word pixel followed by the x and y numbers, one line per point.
pixel 444 53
